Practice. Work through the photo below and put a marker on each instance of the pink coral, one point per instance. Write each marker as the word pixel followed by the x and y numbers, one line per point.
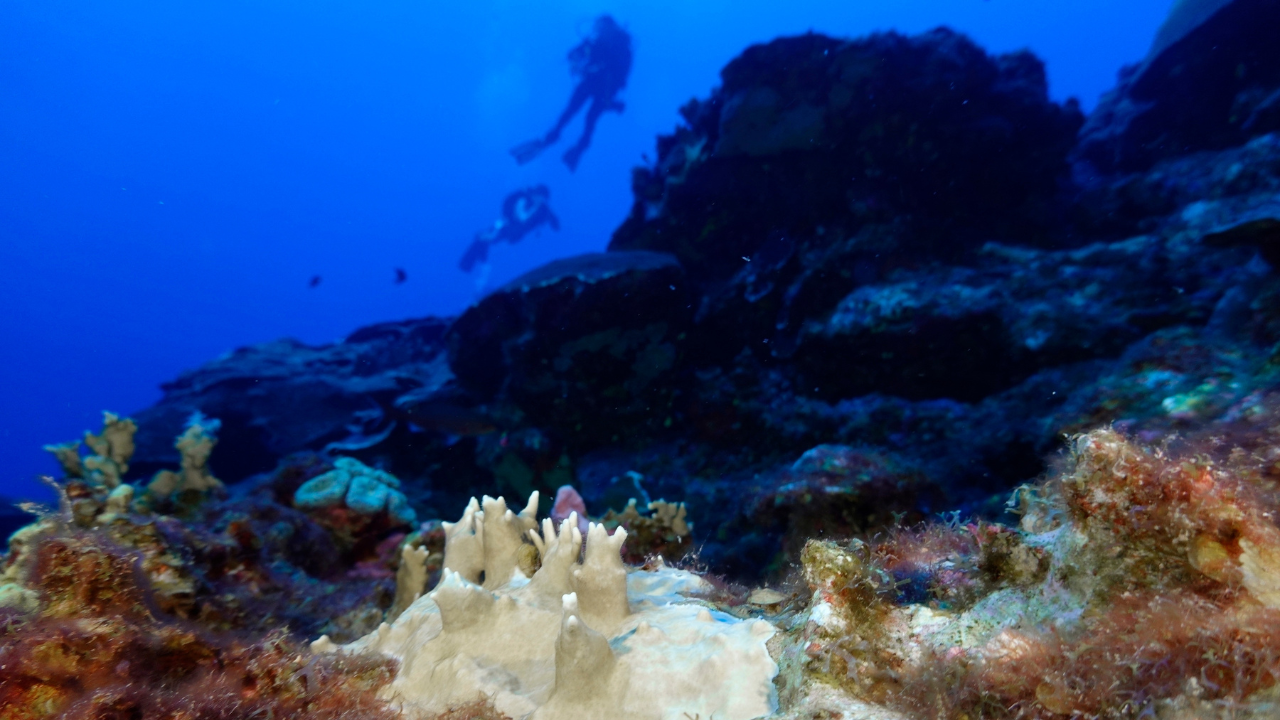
pixel 569 501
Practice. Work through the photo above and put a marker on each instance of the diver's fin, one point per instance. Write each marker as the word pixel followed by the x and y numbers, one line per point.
pixel 572 156
pixel 478 252
pixel 525 152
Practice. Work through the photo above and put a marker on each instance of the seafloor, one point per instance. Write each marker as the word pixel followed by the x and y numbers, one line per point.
pixel 936 399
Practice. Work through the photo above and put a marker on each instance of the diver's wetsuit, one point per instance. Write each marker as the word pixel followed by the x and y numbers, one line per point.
pixel 602 62
pixel 523 211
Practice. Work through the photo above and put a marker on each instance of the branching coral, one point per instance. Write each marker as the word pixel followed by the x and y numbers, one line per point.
pixel 112 449
pixel 578 640
pixel 662 532
pixel 246 564
pixel 421 562
pixel 95 483
pixel 193 481
pixel 663 529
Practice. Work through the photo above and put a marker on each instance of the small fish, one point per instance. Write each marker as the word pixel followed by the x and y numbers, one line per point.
pixel 315 281
pixel 420 409
pixel 401 276
pixel 449 419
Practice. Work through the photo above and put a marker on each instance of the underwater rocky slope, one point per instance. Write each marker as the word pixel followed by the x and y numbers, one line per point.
pixel 966 406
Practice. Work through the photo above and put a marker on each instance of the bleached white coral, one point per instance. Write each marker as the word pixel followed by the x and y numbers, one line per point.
pixel 578 640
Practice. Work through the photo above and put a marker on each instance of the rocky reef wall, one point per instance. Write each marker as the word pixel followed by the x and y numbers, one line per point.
pixel 892 246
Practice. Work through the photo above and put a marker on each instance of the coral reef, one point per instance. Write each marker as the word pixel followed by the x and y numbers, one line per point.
pixel 1138 581
pixel 865 291
pixel 957 144
pixel 587 639
pixel 763 300
pixel 664 532
pixel 660 529
pixel 839 491
pixel 112 450
pixel 95 645
pixel 243 559
pixel 285 397
pixel 96 483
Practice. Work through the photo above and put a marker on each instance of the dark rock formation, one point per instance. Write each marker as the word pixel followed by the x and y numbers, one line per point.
pixel 11 518
pixel 821 166
pixel 1211 81
pixel 838 491
pixel 1257 227
pixel 586 346
pixel 815 137
pixel 969 332
pixel 284 397
pixel 864 253
pixel 1197 191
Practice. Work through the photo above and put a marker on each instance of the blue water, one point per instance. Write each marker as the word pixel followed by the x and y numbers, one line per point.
pixel 172 174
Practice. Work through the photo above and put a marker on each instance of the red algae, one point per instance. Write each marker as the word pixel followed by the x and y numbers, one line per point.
pixel 99 648
pixel 1142 650
pixel 481 709
pixel 1141 581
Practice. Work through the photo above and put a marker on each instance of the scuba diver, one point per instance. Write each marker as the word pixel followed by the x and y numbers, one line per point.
pixel 523 211
pixel 601 63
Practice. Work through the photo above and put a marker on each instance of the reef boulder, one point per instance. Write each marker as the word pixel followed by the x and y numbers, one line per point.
pixel 816 137
pixel 284 397
pixel 969 332
pixel 588 345
pixel 841 491
pixel 1210 81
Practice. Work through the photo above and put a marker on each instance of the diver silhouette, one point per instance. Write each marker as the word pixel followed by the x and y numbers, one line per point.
pixel 601 63
pixel 523 211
